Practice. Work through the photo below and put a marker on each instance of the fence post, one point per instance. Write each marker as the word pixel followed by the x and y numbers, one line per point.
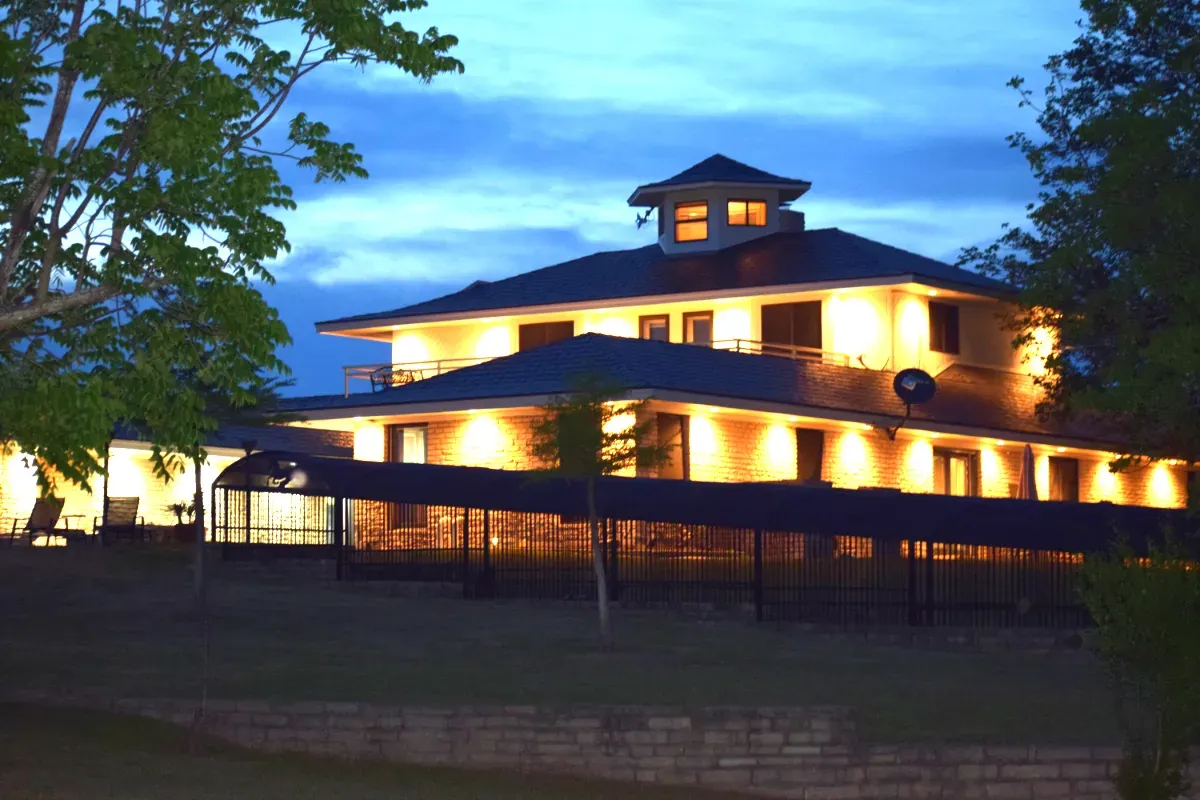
pixel 929 584
pixel 339 534
pixel 913 613
pixel 487 550
pixel 613 573
pixel 758 575
pixel 466 553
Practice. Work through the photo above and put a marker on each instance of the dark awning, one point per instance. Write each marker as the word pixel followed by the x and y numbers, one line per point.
pixel 879 513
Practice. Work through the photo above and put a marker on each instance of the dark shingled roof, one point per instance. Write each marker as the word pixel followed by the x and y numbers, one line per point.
pixel 967 396
pixel 780 259
pixel 722 169
pixel 266 437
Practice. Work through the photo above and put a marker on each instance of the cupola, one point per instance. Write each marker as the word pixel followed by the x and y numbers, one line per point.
pixel 719 203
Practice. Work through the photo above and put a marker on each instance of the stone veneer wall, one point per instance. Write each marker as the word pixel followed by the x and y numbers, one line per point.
pixel 809 754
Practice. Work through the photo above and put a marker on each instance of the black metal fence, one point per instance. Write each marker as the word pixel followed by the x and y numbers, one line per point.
pixel 776 575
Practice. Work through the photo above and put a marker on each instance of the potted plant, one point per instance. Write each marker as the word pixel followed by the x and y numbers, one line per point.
pixel 184 531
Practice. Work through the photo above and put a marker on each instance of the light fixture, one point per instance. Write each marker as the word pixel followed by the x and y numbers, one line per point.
pixel 495 540
pixel 713 410
pixel 933 292
pixel 793 418
pixel 935 436
pixel 1062 449
pixel 1000 442
pixel 358 419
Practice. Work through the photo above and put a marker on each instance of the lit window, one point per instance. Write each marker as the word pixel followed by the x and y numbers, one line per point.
pixel 657 328
pixel 747 212
pixel 698 328
pixel 691 222
pixel 956 473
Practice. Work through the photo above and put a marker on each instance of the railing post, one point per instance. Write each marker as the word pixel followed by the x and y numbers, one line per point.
pixel 466 552
pixel 929 584
pixel 339 534
pixel 913 613
pixel 487 549
pixel 613 572
pixel 758 575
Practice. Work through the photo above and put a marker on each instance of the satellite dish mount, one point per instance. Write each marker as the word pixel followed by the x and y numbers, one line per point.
pixel 913 387
pixel 642 219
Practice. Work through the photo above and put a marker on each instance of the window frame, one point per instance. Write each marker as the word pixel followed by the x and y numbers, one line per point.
pixel 1054 464
pixel 957 316
pixel 663 318
pixel 688 316
pixel 973 472
pixel 745 202
pixel 678 221
pixel 389 442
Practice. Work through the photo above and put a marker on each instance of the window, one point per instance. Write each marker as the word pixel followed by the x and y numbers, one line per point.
pixel 406 444
pixel 791 325
pixel 657 328
pixel 943 328
pixel 698 328
pixel 747 212
pixel 1064 479
pixel 672 431
pixel 956 472
pixel 691 222
pixel 810 452
pixel 537 334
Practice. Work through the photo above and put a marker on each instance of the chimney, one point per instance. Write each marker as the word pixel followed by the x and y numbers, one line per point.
pixel 791 221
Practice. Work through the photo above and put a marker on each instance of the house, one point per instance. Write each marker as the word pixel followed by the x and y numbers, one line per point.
pixel 766 350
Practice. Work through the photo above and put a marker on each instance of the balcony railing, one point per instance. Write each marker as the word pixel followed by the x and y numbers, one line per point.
pixel 792 351
pixel 387 376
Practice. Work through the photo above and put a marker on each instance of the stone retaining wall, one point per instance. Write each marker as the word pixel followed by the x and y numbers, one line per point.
pixel 806 753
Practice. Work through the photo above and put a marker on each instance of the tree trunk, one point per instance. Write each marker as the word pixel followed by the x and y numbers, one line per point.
pixel 606 633
pixel 201 583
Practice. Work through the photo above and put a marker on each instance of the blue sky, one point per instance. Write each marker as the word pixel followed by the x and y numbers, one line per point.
pixel 896 111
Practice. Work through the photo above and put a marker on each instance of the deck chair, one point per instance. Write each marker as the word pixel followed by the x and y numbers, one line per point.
pixel 120 521
pixel 44 519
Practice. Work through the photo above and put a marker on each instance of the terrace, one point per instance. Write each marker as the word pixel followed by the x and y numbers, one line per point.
pixel 383 376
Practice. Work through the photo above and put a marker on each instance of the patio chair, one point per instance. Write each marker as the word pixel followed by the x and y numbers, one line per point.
pixel 120 521
pixel 44 519
pixel 390 377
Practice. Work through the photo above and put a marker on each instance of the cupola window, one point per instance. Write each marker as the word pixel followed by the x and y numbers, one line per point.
pixel 747 212
pixel 691 222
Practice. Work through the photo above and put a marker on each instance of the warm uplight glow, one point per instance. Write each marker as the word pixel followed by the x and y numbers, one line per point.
pixel 482 442
pixel 18 484
pixel 1161 487
pixel 368 443
pixel 852 461
pixel 620 421
pixel 1105 483
pixel 1037 351
pixel 127 471
pixel 731 323
pixel 855 325
pixel 918 467
pixel 409 348
pixel 704 448
pixel 912 332
pixel 494 342
pixel 614 326
pixel 1041 476
pixel 779 450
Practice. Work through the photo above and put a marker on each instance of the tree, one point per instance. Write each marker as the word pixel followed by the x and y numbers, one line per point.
pixel 1145 612
pixel 589 433
pixel 1107 264
pixel 139 145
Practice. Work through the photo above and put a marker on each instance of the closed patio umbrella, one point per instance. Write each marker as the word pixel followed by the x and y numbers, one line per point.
pixel 1027 484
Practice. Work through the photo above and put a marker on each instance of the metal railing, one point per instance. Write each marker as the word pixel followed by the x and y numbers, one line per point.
pixel 792 351
pixel 386 375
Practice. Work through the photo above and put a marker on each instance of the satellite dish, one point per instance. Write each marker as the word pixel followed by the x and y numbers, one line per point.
pixel 914 386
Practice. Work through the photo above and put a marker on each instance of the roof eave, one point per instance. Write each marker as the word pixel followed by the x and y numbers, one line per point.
pixel 651 194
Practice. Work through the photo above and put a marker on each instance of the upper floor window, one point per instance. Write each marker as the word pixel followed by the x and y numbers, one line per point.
pixel 698 328
pixel 1064 479
pixel 536 334
pixel 657 327
pixel 943 328
pixel 691 221
pixel 748 212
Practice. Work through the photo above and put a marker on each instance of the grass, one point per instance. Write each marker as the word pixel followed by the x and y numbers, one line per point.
pixel 124 623
pixel 59 754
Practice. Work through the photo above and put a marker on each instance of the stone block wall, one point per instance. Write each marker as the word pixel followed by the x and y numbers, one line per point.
pixel 803 753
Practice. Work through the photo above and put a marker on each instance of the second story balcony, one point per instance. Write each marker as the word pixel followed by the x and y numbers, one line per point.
pixel 388 376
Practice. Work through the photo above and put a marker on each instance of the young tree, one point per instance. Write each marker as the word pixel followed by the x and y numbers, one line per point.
pixel 1108 262
pixel 138 151
pixel 1145 612
pixel 591 432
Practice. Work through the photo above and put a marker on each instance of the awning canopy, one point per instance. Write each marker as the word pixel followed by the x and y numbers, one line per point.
pixel 879 513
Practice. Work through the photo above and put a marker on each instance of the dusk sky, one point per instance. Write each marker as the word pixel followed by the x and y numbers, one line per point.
pixel 896 111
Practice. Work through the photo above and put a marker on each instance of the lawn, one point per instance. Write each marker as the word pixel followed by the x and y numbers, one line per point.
pixel 124 623
pixel 61 754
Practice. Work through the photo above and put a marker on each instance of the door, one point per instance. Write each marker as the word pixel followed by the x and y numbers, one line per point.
pixel 786 326
pixel 407 444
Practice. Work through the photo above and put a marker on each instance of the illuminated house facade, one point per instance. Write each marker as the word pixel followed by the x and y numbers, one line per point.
pixel 766 350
